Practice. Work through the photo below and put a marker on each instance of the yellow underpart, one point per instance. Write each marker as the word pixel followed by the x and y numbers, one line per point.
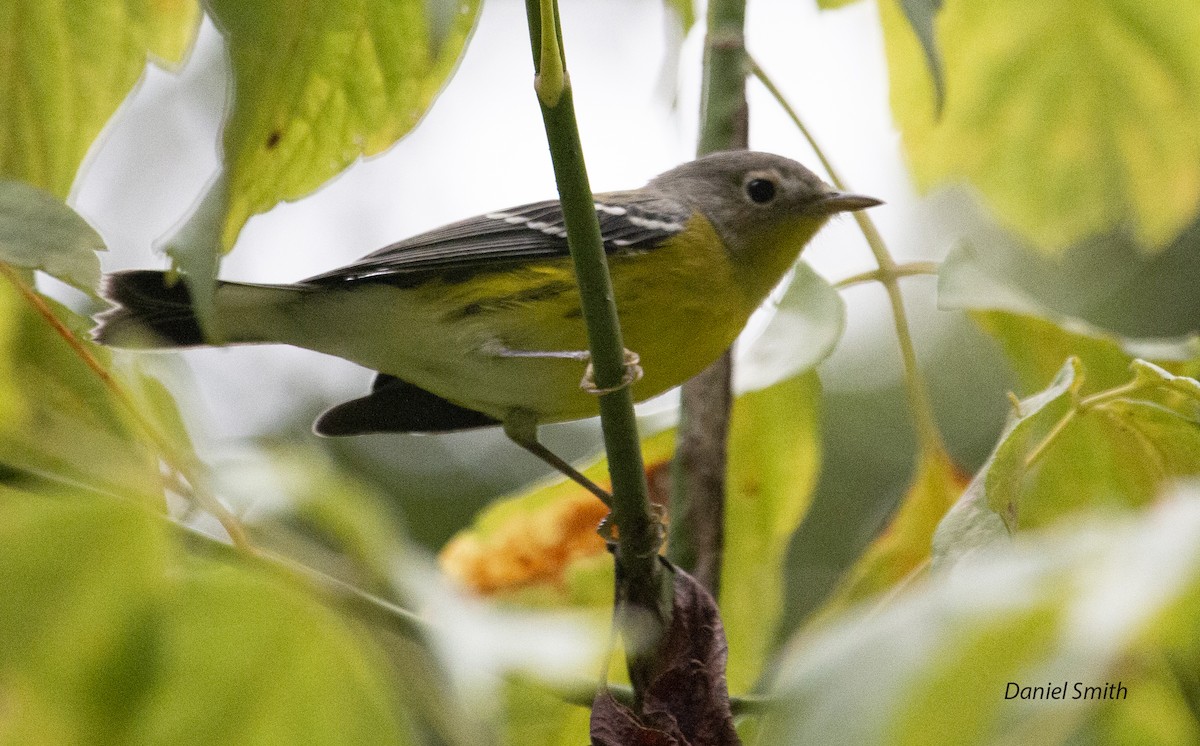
pixel 680 306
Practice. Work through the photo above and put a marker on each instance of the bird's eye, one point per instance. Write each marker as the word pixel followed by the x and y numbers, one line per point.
pixel 761 191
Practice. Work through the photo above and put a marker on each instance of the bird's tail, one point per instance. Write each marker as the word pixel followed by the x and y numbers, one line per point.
pixel 150 312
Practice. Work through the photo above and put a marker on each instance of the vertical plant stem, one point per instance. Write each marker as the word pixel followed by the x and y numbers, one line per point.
pixel 641 583
pixel 928 435
pixel 698 473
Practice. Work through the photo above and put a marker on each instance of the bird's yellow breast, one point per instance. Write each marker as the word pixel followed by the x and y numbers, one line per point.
pixel 680 306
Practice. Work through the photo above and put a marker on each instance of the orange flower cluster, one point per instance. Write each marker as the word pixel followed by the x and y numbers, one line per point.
pixel 529 549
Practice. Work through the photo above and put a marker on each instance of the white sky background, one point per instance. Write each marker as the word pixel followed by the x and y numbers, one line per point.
pixel 482 147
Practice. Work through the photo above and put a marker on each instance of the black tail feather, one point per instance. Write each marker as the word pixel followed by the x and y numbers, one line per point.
pixel 147 312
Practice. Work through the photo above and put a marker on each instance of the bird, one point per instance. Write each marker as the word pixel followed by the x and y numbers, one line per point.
pixel 478 323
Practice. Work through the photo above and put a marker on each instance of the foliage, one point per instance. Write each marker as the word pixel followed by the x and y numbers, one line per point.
pixel 896 601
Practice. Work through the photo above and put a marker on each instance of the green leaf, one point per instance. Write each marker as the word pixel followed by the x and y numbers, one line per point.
pixel 1069 119
pixel 277 666
pixel 1088 606
pixel 65 67
pixel 318 85
pixel 831 4
pixel 1149 374
pixel 1057 457
pixel 860 483
pixel 59 421
pixel 112 639
pixel 808 323
pixel 533 714
pixel 1117 454
pixel 80 582
pixel 38 231
pixel 987 511
pixel 774 455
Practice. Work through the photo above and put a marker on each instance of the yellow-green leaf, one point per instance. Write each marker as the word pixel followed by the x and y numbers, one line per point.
pixel 774 455
pixel 987 511
pixel 111 637
pixel 685 12
pixel 903 549
pixel 317 85
pixel 80 581
pixel 60 421
pixel 65 67
pixel 279 667
pixel 1070 118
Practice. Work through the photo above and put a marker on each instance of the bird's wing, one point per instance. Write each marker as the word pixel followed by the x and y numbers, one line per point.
pixel 629 222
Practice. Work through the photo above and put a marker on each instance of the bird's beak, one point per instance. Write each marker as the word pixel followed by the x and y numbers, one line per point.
pixel 832 202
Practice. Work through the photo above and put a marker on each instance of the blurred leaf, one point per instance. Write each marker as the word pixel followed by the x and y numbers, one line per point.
pixel 279 667
pixel 38 231
pixel 318 85
pixel 1014 317
pixel 935 666
pixel 80 582
pixel 921 15
pixel 540 550
pixel 325 518
pixel 61 422
pixel 530 547
pixel 1066 139
pixel 774 454
pixel 830 4
pixel 65 67
pixel 113 639
pixel 195 250
pixel 868 460
pixel 535 715
pixel 904 548
pixel 808 322
pixel 1106 280
pixel 318 513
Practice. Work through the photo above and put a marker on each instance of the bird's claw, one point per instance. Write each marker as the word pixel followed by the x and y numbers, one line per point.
pixel 633 374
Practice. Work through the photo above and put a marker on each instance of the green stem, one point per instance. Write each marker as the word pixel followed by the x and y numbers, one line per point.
pixel 698 472
pixel 928 435
pixel 909 269
pixel 642 584
pixel 1081 406
pixel 723 111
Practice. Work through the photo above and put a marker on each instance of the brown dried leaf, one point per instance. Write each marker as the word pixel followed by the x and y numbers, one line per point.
pixel 687 702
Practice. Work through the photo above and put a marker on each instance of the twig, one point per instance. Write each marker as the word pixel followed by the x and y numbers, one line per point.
pixel 698 472
pixel 909 269
pixel 919 404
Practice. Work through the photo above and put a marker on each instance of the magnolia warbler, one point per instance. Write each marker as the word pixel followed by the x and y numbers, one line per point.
pixel 478 323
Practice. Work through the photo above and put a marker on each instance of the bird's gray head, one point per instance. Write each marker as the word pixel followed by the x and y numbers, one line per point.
pixel 764 206
pixel 740 189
